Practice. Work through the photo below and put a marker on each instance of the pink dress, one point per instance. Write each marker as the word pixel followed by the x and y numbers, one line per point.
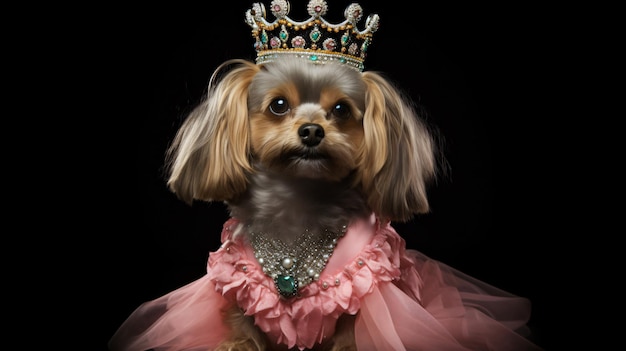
pixel 403 301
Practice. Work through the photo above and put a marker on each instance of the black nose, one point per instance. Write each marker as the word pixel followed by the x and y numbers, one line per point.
pixel 311 134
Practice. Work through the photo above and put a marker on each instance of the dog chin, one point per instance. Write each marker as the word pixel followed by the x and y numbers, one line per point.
pixel 311 167
pixel 314 169
pixel 308 164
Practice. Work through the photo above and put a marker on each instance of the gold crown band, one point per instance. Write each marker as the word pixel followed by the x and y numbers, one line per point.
pixel 317 57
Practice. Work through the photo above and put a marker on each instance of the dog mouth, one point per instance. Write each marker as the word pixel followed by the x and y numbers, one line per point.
pixel 309 162
pixel 308 154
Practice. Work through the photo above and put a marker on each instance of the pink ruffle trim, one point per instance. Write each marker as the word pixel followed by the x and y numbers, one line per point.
pixel 311 317
pixel 404 300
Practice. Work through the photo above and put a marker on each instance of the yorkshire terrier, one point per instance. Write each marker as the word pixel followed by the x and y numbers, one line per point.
pixel 314 158
pixel 293 147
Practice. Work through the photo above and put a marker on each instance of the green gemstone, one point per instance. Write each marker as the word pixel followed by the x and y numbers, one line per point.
pixel 286 285
pixel 365 45
pixel 283 35
pixel 313 58
pixel 344 39
pixel 315 36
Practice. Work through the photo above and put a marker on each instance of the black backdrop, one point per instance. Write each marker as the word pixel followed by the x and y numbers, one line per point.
pixel 475 71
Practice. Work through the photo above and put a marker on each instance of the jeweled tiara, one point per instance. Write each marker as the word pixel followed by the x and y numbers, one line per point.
pixel 315 39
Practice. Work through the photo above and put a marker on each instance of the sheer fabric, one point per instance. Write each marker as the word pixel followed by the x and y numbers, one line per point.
pixel 403 300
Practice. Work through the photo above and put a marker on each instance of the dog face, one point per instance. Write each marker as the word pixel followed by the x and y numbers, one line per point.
pixel 307 120
pixel 325 122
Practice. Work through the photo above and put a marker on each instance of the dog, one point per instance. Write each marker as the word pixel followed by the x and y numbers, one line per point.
pixel 314 158
pixel 292 147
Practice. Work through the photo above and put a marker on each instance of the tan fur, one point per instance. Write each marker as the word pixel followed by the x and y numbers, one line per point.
pixel 270 137
pixel 209 157
pixel 380 153
pixel 397 159
pixel 245 336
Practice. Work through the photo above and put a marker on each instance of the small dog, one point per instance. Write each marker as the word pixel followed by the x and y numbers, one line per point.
pixel 293 147
pixel 314 158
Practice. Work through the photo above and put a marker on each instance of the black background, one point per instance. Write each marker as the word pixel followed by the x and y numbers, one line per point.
pixel 482 75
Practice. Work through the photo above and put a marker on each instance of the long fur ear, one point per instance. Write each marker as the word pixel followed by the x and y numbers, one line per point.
pixel 209 156
pixel 398 157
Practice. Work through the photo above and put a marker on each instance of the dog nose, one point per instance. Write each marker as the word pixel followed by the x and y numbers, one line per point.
pixel 311 134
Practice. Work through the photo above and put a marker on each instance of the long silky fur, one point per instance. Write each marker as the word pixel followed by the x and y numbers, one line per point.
pixel 399 160
pixel 384 168
pixel 209 156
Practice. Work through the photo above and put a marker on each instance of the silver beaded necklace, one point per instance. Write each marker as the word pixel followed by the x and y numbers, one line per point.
pixel 295 266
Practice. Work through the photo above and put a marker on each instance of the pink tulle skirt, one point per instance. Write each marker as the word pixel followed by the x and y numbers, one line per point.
pixel 402 299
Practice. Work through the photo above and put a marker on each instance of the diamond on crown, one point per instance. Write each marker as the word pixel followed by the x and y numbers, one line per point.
pixel 314 39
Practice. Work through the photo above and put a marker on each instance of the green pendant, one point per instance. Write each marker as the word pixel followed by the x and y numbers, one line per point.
pixel 287 285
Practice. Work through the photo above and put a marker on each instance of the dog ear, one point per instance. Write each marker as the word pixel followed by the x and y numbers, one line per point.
pixel 209 156
pixel 398 156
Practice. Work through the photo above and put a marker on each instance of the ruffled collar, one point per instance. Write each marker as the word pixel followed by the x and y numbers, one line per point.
pixel 370 253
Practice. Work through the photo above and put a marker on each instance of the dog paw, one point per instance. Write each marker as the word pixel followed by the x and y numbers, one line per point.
pixel 239 345
pixel 343 348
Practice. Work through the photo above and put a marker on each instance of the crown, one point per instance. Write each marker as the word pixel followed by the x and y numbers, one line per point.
pixel 315 39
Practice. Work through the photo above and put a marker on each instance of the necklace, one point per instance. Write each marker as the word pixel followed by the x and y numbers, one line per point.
pixel 297 265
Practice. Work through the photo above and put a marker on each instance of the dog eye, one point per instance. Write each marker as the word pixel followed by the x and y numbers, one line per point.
pixel 341 110
pixel 279 106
